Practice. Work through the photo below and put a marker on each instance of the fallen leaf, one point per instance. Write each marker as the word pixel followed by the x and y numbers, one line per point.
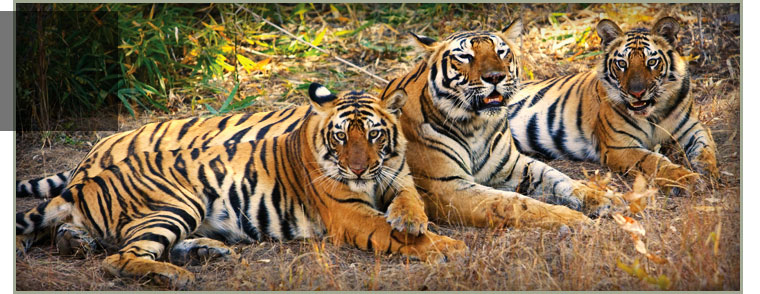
pixel 656 259
pixel 637 197
pixel 640 246
pixel 628 224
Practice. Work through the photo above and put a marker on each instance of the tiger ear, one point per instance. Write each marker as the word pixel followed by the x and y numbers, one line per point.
pixel 427 43
pixel 394 102
pixel 668 28
pixel 513 30
pixel 608 30
pixel 321 98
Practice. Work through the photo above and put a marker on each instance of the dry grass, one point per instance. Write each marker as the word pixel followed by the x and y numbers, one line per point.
pixel 698 235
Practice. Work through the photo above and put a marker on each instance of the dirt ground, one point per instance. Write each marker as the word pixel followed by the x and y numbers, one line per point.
pixel 698 236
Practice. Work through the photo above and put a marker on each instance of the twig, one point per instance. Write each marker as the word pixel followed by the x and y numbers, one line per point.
pixel 315 47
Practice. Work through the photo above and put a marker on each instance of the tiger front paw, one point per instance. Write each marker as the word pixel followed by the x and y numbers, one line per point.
pixel 439 249
pixel 675 178
pixel 408 216
pixel 596 200
pixel 705 164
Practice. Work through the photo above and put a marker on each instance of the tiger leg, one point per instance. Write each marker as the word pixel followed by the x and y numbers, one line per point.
pixel 194 251
pixel 542 181
pixel 473 204
pixel 407 212
pixel 368 229
pixel 36 223
pixel 699 146
pixel 667 175
pixel 147 239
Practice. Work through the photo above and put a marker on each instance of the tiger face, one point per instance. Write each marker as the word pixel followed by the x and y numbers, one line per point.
pixel 473 73
pixel 358 134
pixel 640 66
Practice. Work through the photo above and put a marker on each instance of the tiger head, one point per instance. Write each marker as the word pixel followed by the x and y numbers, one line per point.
pixel 641 69
pixel 473 73
pixel 359 133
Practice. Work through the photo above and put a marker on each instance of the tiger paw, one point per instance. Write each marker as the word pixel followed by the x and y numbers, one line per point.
pixel 441 248
pixel 705 164
pixel 407 215
pixel 160 273
pixel 195 251
pixel 596 201
pixel 74 241
pixel 675 178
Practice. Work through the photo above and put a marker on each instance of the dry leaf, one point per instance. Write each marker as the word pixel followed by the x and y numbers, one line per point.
pixel 598 181
pixel 637 197
pixel 656 259
pixel 640 246
pixel 628 224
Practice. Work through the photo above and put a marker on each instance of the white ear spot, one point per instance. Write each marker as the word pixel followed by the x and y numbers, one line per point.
pixel 322 92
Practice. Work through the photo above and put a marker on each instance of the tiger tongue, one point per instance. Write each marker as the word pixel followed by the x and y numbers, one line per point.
pixel 494 98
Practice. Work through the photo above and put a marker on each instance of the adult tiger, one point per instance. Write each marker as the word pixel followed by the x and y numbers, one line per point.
pixel 637 99
pixel 168 135
pixel 333 174
pixel 464 162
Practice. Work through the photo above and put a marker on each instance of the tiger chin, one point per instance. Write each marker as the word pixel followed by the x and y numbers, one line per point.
pixel 638 98
pixel 332 176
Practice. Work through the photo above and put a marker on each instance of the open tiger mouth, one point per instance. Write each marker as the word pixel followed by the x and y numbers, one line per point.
pixel 639 105
pixel 493 99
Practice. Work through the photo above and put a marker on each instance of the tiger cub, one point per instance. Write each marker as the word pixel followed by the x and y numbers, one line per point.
pixel 333 175
pixel 637 98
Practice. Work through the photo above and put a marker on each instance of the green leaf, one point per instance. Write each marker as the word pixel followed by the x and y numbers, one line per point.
pixel 320 36
pixel 211 109
pixel 226 103
pixel 248 101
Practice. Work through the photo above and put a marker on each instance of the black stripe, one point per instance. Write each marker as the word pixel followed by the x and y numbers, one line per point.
pixel 187 125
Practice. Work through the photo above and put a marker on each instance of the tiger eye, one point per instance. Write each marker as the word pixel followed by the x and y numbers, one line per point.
pixel 652 62
pixel 373 133
pixel 621 64
pixel 341 135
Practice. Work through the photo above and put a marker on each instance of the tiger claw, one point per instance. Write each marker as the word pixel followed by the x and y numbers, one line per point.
pixel 405 216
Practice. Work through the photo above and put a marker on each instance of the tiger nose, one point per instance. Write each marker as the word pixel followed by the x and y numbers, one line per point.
pixel 357 169
pixel 637 93
pixel 494 77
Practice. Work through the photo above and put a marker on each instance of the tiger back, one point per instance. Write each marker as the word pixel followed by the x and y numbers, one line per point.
pixel 168 135
pixel 637 98
pixel 341 173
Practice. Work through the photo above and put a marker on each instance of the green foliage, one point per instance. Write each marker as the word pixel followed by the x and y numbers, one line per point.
pixel 229 105
pixel 66 60
pixel 153 56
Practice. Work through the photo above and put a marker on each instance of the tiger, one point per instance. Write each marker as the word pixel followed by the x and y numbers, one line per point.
pixel 637 98
pixel 464 161
pixel 340 173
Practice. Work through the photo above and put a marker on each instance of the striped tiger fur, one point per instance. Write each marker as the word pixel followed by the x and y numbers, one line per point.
pixel 464 161
pixel 168 135
pixel 333 174
pixel 637 98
